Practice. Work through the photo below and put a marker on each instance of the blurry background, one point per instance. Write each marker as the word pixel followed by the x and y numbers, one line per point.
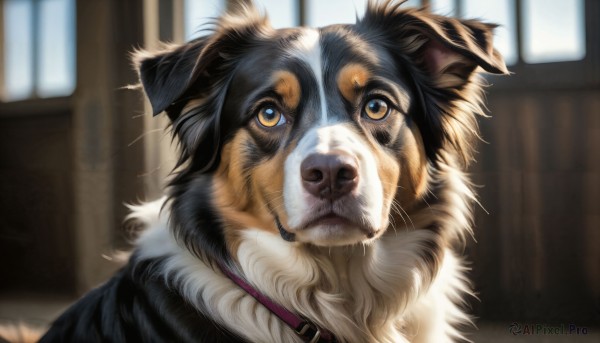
pixel 75 146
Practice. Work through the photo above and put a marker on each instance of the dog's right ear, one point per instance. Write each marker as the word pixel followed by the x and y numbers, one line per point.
pixel 189 82
pixel 167 74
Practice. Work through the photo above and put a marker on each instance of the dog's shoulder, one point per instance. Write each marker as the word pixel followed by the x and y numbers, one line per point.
pixel 135 306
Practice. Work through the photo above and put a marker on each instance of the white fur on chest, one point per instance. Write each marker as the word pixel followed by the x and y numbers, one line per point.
pixel 376 293
pixel 363 293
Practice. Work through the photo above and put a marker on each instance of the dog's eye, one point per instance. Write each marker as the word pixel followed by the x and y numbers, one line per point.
pixel 270 116
pixel 376 109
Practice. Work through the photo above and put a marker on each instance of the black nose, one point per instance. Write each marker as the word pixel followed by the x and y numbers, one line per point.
pixel 329 176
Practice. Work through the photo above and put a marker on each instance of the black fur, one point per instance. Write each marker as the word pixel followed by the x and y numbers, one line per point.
pixel 135 306
pixel 195 223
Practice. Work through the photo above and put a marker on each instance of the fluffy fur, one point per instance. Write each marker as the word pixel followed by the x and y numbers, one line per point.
pixel 371 259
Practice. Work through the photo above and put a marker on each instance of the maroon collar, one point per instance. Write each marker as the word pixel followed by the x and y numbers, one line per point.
pixel 308 331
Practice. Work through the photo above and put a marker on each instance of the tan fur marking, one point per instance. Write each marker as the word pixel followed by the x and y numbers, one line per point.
pixel 288 87
pixel 389 173
pixel 414 167
pixel 240 208
pixel 351 78
pixel 244 200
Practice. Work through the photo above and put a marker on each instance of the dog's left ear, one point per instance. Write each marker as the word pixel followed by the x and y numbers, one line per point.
pixel 448 49
pixel 456 48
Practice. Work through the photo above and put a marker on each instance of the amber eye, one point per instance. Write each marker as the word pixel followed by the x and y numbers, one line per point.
pixel 270 116
pixel 376 109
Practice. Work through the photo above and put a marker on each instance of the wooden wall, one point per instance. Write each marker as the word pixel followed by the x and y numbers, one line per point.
pixel 36 231
pixel 67 166
pixel 538 250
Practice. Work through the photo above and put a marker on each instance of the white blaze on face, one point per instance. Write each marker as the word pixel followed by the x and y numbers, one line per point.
pixel 326 138
pixel 308 48
pixel 336 138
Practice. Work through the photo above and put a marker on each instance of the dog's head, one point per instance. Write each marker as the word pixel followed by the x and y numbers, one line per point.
pixel 317 134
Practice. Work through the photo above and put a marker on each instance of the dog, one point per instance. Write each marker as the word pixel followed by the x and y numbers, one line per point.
pixel 320 193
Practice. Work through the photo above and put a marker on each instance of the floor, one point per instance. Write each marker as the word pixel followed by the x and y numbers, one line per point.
pixel 24 317
pixel 40 311
pixel 33 309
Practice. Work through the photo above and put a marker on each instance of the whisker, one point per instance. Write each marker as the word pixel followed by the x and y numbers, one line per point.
pixel 408 216
pixel 144 135
pixel 395 207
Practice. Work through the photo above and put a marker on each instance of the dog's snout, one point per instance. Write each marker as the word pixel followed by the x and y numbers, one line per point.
pixel 329 176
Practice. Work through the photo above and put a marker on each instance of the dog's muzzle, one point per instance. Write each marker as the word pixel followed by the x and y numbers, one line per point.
pixel 332 191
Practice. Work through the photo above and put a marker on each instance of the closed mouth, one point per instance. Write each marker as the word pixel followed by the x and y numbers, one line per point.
pixel 333 220
pixel 329 219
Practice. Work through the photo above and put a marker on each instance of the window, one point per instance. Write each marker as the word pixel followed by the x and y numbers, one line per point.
pixel 553 30
pixel 412 3
pixel 443 7
pixel 322 13
pixel 199 13
pixel 39 48
pixel 501 12
pixel 282 13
